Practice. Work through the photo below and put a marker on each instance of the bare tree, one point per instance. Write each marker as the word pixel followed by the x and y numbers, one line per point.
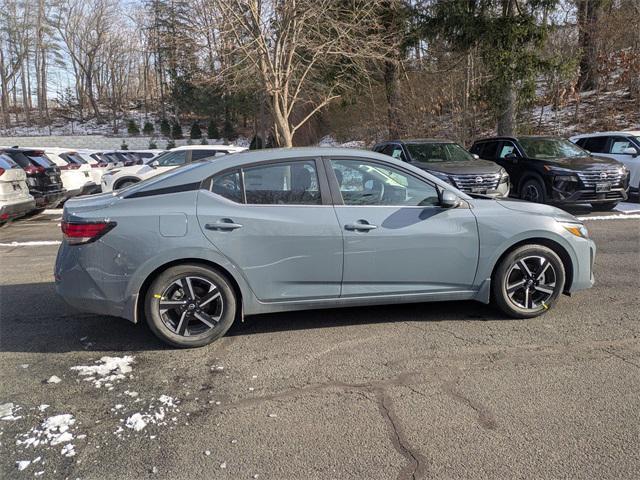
pixel 304 53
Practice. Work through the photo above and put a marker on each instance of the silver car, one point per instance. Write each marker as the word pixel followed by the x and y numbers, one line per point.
pixel 196 248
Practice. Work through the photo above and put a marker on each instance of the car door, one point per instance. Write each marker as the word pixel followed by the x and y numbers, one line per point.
pixel 275 222
pixel 616 148
pixel 509 158
pixel 397 238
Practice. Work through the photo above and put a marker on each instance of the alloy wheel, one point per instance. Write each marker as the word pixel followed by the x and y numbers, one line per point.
pixel 532 193
pixel 531 282
pixel 191 305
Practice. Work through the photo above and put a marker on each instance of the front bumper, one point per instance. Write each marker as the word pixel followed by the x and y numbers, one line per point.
pixel 583 277
pixel 572 193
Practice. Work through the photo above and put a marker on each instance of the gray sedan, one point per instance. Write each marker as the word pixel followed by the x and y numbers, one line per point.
pixel 196 248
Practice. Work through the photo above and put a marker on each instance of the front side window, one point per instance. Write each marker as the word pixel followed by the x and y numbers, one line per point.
pixel 172 159
pixel 286 183
pixel 397 153
pixel 507 149
pixel 368 183
pixel 619 145
pixel 550 148
pixel 594 144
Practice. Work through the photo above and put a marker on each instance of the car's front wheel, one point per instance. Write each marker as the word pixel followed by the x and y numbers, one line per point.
pixel 528 281
pixel 604 207
pixel 190 306
pixel 532 190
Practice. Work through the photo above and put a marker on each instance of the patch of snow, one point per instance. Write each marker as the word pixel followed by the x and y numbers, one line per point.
pixel 223 465
pixel 354 144
pixel 53 431
pixel 24 365
pixel 207 452
pixel 6 409
pixel 43 407
pixel 621 216
pixel 54 379
pixel 107 370
pixel 328 141
pixel 68 450
pixel 272 415
pixel 131 394
pixel 167 400
pixel 34 243
pixel 22 464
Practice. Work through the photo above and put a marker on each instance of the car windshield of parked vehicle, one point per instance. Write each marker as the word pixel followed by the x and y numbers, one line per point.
pixel 549 148
pixel 438 152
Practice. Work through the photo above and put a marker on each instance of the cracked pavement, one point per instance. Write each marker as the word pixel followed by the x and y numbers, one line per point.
pixel 443 390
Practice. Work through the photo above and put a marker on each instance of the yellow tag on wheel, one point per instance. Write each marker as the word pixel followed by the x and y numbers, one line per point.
pixel 155 295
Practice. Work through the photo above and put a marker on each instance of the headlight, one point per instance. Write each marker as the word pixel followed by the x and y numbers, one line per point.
pixel 624 171
pixel 504 176
pixel 577 229
pixel 566 178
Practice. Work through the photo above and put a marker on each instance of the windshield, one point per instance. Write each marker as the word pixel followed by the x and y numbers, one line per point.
pixel 549 148
pixel 438 152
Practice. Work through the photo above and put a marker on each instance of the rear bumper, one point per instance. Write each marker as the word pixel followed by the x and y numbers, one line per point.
pixel 48 199
pixel 16 209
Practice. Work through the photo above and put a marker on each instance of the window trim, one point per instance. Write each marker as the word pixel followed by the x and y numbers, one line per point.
pixel 337 195
pixel 323 184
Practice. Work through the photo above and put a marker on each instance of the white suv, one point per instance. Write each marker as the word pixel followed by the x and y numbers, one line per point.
pixel 621 146
pixel 76 176
pixel 123 177
pixel 15 200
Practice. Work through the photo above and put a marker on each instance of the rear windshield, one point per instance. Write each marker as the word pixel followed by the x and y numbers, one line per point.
pixel 21 159
pixel 6 162
pixel 40 159
pixel 75 158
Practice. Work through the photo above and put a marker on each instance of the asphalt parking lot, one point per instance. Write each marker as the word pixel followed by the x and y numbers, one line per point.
pixel 445 390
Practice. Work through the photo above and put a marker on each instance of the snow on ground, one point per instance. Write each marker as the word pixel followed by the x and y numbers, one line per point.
pixel 52 431
pixel 8 411
pixel 107 371
pixel 156 416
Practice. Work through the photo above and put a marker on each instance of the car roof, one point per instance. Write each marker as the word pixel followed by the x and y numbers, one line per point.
pixel 519 137
pixel 635 133
pixel 232 148
pixel 20 149
pixel 418 141
pixel 56 150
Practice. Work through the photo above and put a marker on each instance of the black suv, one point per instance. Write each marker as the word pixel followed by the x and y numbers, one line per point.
pixel 554 170
pixel 452 163
pixel 43 176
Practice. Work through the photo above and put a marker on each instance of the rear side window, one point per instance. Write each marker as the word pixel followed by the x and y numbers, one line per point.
pixel 287 183
pixel 595 144
pixel 489 150
pixel 228 185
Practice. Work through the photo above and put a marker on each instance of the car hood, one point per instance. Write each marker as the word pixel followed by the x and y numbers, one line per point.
pixel 460 168
pixel 538 209
pixel 581 163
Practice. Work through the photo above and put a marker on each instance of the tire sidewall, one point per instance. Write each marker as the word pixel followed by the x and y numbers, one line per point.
pixel 159 284
pixel 498 281
pixel 539 186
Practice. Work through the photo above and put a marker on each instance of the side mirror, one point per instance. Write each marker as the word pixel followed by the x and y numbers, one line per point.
pixel 631 151
pixel 476 156
pixel 449 199
pixel 154 163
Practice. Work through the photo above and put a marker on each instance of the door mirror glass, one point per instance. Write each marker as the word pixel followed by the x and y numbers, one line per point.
pixel 449 199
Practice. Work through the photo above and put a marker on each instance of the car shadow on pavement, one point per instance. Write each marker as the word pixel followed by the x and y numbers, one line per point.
pixel 34 319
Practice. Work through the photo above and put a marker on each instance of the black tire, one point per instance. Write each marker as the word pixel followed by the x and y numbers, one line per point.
pixel 532 190
pixel 508 303
pixel 167 325
pixel 125 184
pixel 604 207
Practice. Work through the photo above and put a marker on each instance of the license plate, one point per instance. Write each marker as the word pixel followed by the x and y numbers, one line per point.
pixel 16 186
pixel 478 190
pixel 603 187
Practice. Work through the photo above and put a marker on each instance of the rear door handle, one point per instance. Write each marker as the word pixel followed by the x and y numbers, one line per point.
pixel 226 224
pixel 360 226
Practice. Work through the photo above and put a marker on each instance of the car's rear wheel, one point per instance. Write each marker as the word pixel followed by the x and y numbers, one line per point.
pixel 532 190
pixel 190 306
pixel 528 281
pixel 604 207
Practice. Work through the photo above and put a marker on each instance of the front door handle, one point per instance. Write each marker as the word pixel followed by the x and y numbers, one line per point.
pixel 225 224
pixel 360 226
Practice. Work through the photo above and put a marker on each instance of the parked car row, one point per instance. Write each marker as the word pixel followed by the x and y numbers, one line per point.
pixel 599 168
pixel 39 178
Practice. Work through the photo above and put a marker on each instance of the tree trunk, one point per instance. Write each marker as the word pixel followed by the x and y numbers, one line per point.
pixel 392 90
pixel 588 17
pixel 506 115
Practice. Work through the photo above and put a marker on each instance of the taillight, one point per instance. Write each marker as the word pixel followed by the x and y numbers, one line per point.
pixel 32 169
pixel 80 233
pixel 2 170
pixel 70 166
